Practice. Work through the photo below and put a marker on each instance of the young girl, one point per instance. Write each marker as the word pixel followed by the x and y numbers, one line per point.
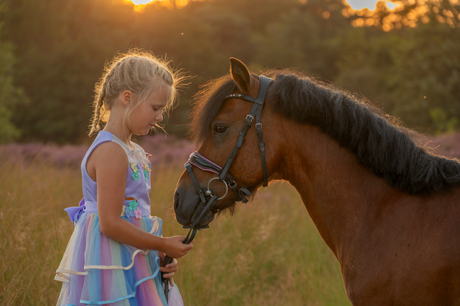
pixel 114 254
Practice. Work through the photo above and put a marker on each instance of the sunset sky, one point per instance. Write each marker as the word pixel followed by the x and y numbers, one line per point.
pixel 355 4
pixel 370 4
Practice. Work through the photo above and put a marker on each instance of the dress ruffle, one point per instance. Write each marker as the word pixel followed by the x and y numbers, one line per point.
pixel 97 270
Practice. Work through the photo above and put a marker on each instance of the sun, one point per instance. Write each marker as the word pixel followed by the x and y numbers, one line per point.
pixel 141 2
pixel 139 5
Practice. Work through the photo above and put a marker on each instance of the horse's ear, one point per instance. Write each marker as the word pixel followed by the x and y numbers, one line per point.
pixel 240 74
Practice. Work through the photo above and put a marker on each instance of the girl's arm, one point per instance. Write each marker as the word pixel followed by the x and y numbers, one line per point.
pixel 108 165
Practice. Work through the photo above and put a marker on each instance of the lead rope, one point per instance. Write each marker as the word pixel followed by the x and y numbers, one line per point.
pixel 193 229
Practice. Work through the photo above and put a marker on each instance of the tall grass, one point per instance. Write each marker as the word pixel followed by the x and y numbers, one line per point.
pixel 268 253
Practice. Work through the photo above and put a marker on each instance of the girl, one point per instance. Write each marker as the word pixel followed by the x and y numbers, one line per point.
pixel 114 254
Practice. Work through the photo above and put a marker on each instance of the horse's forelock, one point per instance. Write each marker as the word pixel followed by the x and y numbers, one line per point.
pixel 207 103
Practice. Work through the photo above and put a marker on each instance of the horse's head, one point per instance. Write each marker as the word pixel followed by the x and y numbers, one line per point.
pixel 218 119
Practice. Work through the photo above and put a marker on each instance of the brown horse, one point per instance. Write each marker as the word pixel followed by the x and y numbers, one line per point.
pixel 388 209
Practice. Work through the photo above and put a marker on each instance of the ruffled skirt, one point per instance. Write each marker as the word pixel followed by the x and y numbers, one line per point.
pixel 97 270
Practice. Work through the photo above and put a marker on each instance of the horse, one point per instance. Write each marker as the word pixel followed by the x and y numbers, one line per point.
pixel 387 207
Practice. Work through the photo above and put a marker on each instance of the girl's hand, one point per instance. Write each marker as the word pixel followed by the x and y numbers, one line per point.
pixel 174 247
pixel 170 269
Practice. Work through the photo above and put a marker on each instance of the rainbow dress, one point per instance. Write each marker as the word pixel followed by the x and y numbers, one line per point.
pixel 97 270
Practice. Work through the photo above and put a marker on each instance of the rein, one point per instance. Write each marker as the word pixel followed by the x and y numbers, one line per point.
pixel 223 175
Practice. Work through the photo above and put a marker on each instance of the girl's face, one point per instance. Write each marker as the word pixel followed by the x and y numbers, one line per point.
pixel 150 111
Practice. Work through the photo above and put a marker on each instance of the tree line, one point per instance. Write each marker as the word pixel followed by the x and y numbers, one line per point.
pixel 52 52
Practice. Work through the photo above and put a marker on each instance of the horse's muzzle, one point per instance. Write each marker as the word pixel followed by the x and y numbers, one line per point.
pixel 187 206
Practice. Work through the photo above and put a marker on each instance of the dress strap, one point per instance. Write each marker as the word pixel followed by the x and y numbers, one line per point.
pixel 122 144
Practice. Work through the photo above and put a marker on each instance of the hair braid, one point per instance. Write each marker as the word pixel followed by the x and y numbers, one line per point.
pixel 97 111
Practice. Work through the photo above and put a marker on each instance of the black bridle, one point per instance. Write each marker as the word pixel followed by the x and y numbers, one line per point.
pixel 202 163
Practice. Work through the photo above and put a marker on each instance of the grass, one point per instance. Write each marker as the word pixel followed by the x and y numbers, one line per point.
pixel 268 253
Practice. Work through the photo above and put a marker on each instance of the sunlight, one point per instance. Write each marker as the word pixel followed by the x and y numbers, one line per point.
pixel 141 2
pixel 361 4
pixel 139 5
pixel 358 5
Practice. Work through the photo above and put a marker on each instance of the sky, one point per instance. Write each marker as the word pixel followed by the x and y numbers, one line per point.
pixel 141 1
pixel 355 4
pixel 370 4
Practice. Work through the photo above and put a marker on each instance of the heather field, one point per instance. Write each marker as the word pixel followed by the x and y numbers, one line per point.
pixel 268 253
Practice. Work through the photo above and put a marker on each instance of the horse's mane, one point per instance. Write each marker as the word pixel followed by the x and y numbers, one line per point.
pixel 379 143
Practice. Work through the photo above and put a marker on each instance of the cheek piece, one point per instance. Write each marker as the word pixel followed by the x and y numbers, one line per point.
pixel 199 161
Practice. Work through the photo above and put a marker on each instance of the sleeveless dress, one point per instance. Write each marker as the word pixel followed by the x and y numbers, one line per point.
pixel 97 270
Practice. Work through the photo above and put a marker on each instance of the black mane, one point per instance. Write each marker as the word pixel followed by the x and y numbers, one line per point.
pixel 379 144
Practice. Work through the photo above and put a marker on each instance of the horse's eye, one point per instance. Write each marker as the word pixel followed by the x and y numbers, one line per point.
pixel 220 129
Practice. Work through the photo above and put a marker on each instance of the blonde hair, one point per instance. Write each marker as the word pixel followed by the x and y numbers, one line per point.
pixel 138 71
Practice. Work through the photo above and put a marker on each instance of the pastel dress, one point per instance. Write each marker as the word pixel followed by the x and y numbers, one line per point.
pixel 97 270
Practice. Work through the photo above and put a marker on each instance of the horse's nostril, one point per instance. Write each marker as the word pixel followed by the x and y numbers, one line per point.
pixel 176 200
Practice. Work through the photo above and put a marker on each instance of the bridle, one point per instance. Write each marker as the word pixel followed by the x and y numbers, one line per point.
pixel 223 175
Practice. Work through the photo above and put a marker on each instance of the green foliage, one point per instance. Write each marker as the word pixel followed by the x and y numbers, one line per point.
pixel 10 95
pixel 441 121
pixel 61 48
pixel 413 74
pixel 428 77
pixel 366 64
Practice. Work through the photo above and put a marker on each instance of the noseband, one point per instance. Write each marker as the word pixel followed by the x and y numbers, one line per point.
pixel 223 175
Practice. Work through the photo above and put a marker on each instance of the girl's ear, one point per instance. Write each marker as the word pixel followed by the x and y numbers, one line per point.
pixel 240 74
pixel 126 97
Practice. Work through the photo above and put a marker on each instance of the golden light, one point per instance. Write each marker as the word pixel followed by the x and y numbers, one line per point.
pixel 139 5
pixel 367 13
pixel 362 4
pixel 371 5
pixel 141 2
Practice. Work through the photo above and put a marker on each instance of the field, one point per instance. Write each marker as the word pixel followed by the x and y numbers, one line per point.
pixel 268 253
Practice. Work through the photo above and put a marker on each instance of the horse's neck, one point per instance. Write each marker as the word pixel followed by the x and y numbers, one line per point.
pixel 337 191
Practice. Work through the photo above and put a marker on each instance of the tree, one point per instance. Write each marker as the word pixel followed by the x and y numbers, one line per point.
pixel 10 95
pixel 427 93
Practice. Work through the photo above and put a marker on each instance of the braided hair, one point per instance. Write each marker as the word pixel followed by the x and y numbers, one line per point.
pixel 137 71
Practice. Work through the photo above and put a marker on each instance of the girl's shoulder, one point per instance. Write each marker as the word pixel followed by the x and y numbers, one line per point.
pixel 108 157
pixel 110 150
pixel 106 145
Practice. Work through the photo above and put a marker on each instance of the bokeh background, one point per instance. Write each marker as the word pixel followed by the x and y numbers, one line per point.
pixel 401 55
pixel 404 59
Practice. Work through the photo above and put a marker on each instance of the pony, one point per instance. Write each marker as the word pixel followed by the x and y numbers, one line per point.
pixel 387 208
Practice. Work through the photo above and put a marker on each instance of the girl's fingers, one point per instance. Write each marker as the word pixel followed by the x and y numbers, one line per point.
pixel 173 264
pixel 168 269
pixel 168 275
pixel 165 270
pixel 171 282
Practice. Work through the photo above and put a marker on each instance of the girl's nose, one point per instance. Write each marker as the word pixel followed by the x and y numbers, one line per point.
pixel 159 117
